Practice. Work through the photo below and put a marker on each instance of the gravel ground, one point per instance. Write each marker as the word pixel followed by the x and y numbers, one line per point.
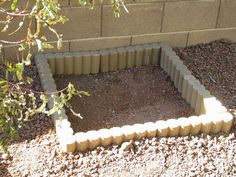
pixel 37 153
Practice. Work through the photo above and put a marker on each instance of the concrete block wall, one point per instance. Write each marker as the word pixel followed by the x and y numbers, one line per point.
pixel 178 22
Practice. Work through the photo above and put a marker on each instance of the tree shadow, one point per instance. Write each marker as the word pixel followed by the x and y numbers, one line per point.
pixel 3 169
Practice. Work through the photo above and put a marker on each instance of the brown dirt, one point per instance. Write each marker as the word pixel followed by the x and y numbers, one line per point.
pixel 136 95
pixel 38 154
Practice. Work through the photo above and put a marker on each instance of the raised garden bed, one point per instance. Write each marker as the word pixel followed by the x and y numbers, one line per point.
pixel 212 116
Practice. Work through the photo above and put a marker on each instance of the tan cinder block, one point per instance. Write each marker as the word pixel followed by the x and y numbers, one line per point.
pixel 206 123
pixel 150 129
pixel 69 63
pixel 129 132
pixel 52 63
pixel 113 59
pixel 216 123
pixel 190 15
pixel 185 126
pixel 60 63
pixel 95 62
pixel 142 18
pixel 202 94
pixel 162 128
pixel 99 43
pixel 117 135
pixel 86 62
pixel 174 127
pixel 147 55
pixel 176 61
pixel 78 63
pixel 205 36
pixel 67 143
pixel 183 72
pixel 140 131
pixel 79 24
pixel 227 121
pixel 175 39
pixel 196 85
pixel 196 125
pixel 105 136
pixel 82 142
pixel 104 66
pixel 130 56
pixel 187 87
pixel 138 56
pixel 164 49
pixel 121 58
pixel 227 14
pixel 94 139
pixel 155 54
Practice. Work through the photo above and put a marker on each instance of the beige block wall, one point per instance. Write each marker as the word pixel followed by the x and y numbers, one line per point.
pixel 179 22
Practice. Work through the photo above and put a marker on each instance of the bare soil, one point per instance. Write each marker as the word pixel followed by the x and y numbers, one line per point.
pixel 37 152
pixel 136 95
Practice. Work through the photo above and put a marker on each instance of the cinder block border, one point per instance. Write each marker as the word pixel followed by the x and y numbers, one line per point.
pixel 212 116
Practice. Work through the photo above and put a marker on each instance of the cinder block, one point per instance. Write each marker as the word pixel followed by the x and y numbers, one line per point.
pixel 164 50
pixel 79 23
pixel 67 143
pixel 86 62
pixel 60 63
pixel 185 126
pixel 78 63
pixel 180 72
pixel 175 39
pixel 69 63
pixel 130 56
pixel 142 18
pixel 170 61
pixel 52 63
pixel 117 135
pixel 202 94
pixel 93 139
pixel 175 61
pixel 190 15
pixel 82 142
pixel 113 59
pixel 227 121
pixel 147 55
pixel 129 132
pixel 121 58
pixel 95 62
pixel 205 36
pixel 186 88
pixel 138 55
pixel 206 123
pixel 196 125
pixel 99 43
pixel 104 66
pixel 140 131
pixel 150 129
pixel 196 85
pixel 162 128
pixel 227 13
pixel 174 127
pixel 216 123
pixel 156 54
pixel 105 136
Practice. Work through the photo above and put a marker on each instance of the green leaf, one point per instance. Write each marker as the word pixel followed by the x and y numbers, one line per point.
pixel 14 4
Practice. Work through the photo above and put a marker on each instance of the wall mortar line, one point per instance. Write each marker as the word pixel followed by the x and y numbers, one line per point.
pixel 218 15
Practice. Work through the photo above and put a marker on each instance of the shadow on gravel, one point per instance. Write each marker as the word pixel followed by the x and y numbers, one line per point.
pixel 3 170
pixel 37 126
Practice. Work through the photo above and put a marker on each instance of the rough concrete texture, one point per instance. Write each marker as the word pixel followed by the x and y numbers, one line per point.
pixel 86 62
